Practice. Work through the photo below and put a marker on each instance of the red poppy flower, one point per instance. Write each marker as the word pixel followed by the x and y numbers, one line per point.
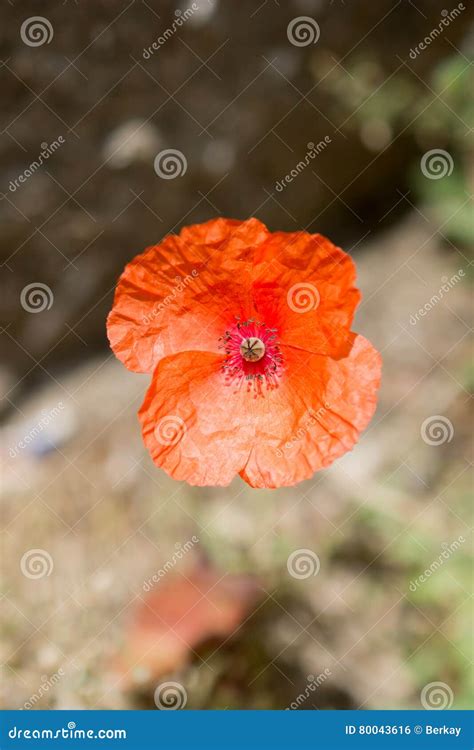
pixel 247 334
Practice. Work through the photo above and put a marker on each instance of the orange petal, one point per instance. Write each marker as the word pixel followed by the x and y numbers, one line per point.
pixel 306 286
pixel 191 428
pixel 334 400
pixel 200 429
pixel 183 293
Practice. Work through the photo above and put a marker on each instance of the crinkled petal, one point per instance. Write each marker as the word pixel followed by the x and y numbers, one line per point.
pixel 333 400
pixel 305 286
pixel 191 425
pixel 201 429
pixel 183 293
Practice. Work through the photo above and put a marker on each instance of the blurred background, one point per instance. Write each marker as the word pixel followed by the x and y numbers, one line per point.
pixel 120 587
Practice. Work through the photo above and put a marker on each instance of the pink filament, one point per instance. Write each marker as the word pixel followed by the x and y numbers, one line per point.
pixel 237 369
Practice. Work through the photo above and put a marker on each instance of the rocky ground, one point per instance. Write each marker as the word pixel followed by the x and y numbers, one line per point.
pixel 83 491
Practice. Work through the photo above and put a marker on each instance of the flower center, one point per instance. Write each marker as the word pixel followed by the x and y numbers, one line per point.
pixel 252 354
pixel 252 349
